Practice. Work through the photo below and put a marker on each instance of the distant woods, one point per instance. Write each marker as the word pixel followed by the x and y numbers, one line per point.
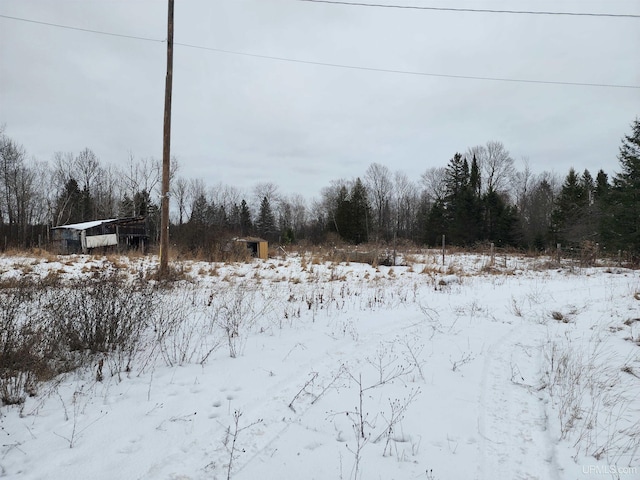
pixel 475 197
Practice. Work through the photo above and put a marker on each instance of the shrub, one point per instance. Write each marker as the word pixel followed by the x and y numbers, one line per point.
pixel 23 355
pixel 105 313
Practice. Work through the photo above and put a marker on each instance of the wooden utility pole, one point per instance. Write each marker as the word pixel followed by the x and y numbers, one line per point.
pixel 166 152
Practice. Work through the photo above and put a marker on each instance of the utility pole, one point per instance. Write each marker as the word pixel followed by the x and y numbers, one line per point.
pixel 166 152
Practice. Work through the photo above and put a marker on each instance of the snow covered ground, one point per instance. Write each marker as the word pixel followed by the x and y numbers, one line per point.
pixel 301 369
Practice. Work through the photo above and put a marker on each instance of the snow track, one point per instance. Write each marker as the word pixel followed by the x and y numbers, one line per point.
pixel 512 424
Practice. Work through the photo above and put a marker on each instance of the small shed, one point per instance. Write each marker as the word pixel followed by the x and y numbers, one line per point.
pixel 258 246
pixel 115 232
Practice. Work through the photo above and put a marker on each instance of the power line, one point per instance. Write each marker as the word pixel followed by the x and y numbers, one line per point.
pixel 335 65
pixel 79 29
pixel 409 72
pixel 475 10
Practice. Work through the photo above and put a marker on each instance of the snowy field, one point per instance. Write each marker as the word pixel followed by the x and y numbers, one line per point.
pixel 299 368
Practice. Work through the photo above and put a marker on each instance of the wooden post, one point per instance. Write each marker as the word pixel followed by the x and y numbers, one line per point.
pixel 493 254
pixel 558 252
pixel 443 250
pixel 166 151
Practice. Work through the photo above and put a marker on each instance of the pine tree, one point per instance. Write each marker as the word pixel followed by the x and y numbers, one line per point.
pixel 196 230
pixel 436 224
pixel 245 219
pixel 501 220
pixel 475 180
pixel 352 213
pixel 540 212
pixel 360 213
pixel 266 223
pixel 461 206
pixel 341 213
pixel 621 227
pixel 199 214
pixel 68 205
pixel 571 208
pixel 602 185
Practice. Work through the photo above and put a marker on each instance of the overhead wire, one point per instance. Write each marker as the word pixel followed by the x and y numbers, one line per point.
pixel 80 29
pixel 328 64
pixel 408 72
pixel 474 10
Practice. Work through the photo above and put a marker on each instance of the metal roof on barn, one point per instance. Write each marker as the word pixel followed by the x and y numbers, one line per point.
pixel 86 225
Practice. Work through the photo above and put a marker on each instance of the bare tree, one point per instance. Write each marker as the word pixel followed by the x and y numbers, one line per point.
pixel 496 165
pixel 197 190
pixel 406 200
pixel 17 188
pixel 63 170
pixel 87 168
pixel 179 191
pixel 225 195
pixel 537 207
pixel 434 181
pixel 106 192
pixel 379 184
pixel 327 207
pixel 299 213
pixel 141 174
pixel 268 190
pixel 40 205
pixel 521 184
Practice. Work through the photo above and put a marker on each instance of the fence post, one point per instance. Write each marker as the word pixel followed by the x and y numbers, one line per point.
pixel 443 250
pixel 493 254
pixel 558 252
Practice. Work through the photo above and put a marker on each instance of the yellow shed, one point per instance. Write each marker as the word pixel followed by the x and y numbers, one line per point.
pixel 258 246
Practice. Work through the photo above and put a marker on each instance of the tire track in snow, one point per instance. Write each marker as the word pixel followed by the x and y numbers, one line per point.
pixel 511 424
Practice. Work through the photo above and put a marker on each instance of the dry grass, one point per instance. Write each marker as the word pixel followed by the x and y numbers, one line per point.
pixel 560 317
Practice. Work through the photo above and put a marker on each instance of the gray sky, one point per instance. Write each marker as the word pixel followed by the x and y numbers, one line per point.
pixel 240 120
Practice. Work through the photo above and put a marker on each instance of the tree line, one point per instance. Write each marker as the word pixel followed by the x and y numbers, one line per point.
pixel 479 196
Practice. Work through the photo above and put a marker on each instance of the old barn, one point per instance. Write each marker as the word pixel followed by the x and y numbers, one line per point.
pixel 116 233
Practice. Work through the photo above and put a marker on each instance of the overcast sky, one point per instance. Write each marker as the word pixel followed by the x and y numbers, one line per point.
pixel 240 120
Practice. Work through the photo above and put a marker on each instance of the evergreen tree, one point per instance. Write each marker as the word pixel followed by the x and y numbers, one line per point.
pixel 341 213
pixel 125 208
pixel 246 225
pixel 360 213
pixel 475 180
pixel 86 205
pixel 142 204
pixel 266 223
pixel 436 224
pixel 196 232
pixel 219 218
pixel 501 220
pixel 461 206
pixel 199 212
pixel 68 205
pixel 589 187
pixel 602 185
pixel 352 213
pixel 621 227
pixel 540 211
pixel 570 209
